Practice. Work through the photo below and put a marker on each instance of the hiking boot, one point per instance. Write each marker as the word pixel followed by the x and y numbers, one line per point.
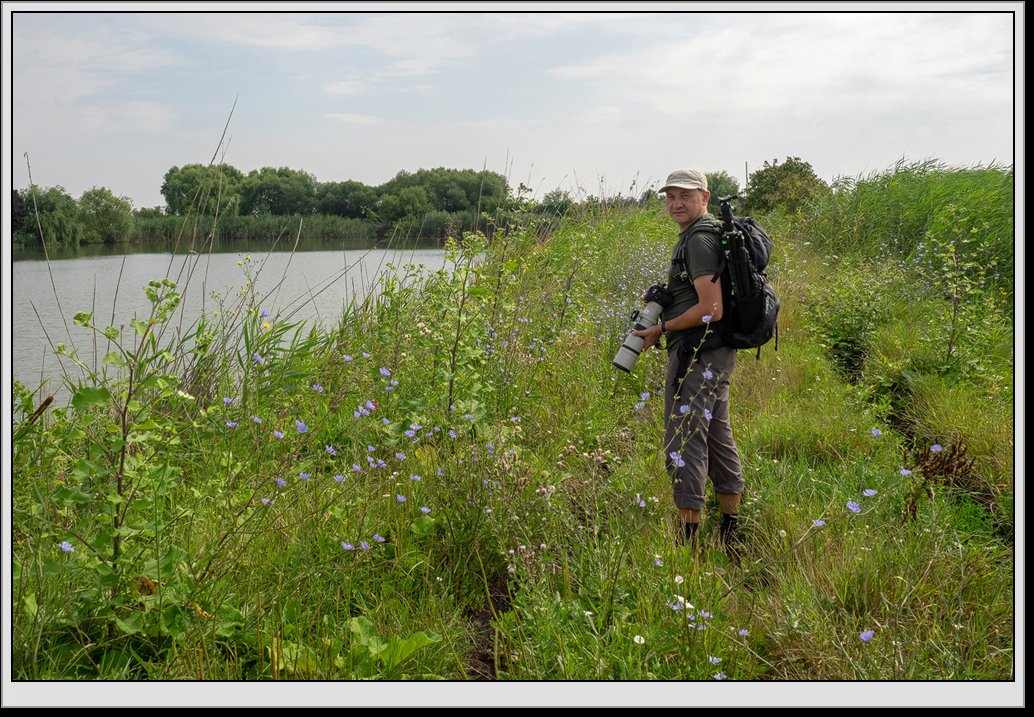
pixel 729 534
pixel 687 536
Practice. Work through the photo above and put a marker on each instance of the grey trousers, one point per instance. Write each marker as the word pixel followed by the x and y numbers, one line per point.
pixel 698 439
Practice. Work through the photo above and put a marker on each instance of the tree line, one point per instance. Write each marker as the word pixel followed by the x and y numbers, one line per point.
pixel 429 203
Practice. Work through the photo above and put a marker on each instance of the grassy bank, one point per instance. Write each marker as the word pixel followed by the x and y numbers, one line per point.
pixel 455 483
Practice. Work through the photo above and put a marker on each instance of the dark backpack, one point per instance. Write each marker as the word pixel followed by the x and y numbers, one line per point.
pixel 750 307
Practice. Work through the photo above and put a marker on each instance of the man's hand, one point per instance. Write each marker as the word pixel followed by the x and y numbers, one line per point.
pixel 651 335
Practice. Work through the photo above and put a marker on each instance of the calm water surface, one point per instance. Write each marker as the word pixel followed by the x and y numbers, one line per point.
pixel 312 286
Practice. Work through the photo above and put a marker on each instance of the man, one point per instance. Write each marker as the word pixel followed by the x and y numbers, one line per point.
pixel 698 440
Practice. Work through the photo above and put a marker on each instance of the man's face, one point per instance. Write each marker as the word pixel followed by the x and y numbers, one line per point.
pixel 685 206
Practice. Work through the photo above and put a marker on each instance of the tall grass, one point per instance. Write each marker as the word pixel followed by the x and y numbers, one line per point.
pixel 453 482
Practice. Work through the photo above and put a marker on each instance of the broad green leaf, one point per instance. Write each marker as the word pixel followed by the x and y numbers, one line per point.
pixel 82 318
pixel 400 650
pixel 89 395
pixel 69 495
pixel 112 333
pixel 422 527
pixel 132 624
pixel 30 606
pixel 85 469
pixel 114 358
pixel 139 326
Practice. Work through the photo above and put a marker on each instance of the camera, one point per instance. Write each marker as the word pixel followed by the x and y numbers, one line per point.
pixel 657 297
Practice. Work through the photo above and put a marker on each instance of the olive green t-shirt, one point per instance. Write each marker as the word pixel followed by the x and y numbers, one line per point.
pixel 703 257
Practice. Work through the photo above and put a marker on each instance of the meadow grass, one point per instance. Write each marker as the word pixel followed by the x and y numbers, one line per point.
pixel 453 482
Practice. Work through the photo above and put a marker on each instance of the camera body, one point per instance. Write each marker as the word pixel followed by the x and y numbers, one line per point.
pixel 657 297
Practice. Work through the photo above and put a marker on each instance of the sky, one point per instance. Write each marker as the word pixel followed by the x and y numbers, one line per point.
pixel 593 103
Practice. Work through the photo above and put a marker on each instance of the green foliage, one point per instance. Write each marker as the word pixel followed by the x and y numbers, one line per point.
pixel 19 212
pixel 279 192
pixel 790 186
pixel 720 184
pixel 57 215
pixel 206 190
pixel 106 219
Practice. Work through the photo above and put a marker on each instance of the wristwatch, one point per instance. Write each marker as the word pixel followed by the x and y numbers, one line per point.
pixel 664 328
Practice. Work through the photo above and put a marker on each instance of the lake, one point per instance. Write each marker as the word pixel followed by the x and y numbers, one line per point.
pixel 311 286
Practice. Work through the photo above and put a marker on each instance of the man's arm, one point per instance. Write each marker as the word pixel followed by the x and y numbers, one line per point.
pixel 710 305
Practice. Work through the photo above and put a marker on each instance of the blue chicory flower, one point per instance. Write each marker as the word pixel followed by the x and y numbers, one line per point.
pixel 66 547
pixel 853 507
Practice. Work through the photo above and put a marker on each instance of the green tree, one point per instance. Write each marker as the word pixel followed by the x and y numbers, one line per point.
pixel 19 212
pixel 207 190
pixel 106 219
pixel 58 218
pixel 787 185
pixel 720 184
pixel 346 199
pixel 556 203
pixel 279 192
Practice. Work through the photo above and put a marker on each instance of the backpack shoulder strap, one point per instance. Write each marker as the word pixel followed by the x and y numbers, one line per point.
pixel 707 225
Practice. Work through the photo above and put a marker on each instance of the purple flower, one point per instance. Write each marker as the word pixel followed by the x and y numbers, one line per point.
pixel 905 472
pixel 719 675
pixel 713 660
pixel 317 388
pixel 414 476
pixel 936 448
pixel 347 546
pixel 227 401
pixel 645 396
pixel 371 449
pixel 867 635
pixel 356 468
pixel 66 547
pixel 266 501
pixel 400 498
pixel 278 434
pixel 339 478
pixel 410 433
pixel 869 492
pixel 657 563
pixel 516 419
pixel 401 456
pixel 469 416
pixel 425 510
pixel 708 415
pixel 706 318
pixel 378 537
pixel 281 482
pixel 331 450
pixel 676 459
pixel 853 507
pixel 347 357
pixel 744 632
pixel 263 314
pixel 385 372
pixel 385 421
pixel 231 424
pixel 708 374
pixel 684 408
pixel 877 432
pixel 302 428
pixel 366 355
pixel 256 419
pixel 259 359
pixel 818 522
pixel 364 545
pixel 452 433
pixel 304 476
